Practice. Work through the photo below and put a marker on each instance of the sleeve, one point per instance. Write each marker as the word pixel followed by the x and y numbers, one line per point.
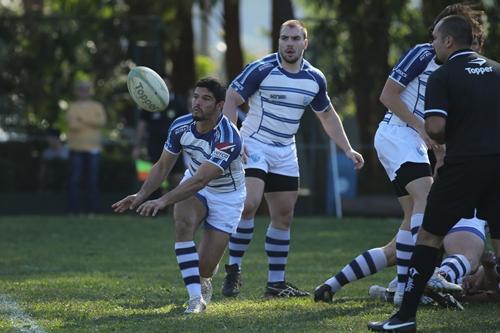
pixel 321 101
pixel 249 80
pixel 436 96
pixel 227 148
pixel 412 64
pixel 173 143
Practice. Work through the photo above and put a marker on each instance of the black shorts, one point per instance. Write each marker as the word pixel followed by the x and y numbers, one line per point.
pixel 460 189
pixel 407 173
pixel 274 182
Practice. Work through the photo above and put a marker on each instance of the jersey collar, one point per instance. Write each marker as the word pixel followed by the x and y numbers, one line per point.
pixel 459 53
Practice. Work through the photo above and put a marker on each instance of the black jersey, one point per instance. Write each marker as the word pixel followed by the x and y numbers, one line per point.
pixel 466 91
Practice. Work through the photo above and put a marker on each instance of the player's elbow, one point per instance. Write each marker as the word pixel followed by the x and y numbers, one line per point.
pixel 436 133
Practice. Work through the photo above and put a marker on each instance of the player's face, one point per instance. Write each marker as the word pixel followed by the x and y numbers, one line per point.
pixel 204 105
pixel 292 44
pixel 439 44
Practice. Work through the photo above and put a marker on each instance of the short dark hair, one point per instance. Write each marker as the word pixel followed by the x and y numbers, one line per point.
pixel 293 24
pixel 472 12
pixel 457 27
pixel 216 87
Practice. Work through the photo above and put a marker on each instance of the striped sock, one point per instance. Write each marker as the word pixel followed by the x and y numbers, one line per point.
pixel 404 249
pixel 277 246
pixel 367 263
pixel 415 223
pixel 455 267
pixel 240 240
pixel 188 261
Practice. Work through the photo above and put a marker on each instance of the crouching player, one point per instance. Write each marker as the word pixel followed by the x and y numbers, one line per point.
pixel 212 190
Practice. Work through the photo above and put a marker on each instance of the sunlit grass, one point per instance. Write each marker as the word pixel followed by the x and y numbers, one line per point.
pixel 119 274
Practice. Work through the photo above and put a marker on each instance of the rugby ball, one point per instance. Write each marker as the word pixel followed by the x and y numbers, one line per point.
pixel 148 89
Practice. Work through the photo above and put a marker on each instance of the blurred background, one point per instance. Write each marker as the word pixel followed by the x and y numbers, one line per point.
pixel 48 45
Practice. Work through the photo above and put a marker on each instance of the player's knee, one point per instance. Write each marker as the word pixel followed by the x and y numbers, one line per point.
pixel 390 254
pixel 183 229
pixel 250 208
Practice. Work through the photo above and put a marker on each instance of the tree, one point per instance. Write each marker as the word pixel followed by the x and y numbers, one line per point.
pixel 234 53
pixel 282 10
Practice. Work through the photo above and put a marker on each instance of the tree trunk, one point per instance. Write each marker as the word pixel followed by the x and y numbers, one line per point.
pixel 183 69
pixel 282 10
pixel 234 54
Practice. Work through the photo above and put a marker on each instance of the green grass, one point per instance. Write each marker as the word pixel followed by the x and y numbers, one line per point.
pixel 119 274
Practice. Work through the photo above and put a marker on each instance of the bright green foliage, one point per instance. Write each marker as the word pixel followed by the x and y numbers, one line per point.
pixel 119 274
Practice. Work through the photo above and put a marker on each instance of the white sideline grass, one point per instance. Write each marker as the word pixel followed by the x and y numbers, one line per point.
pixel 17 317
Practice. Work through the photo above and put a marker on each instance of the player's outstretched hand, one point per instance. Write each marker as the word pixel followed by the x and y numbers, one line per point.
pixel 129 202
pixel 151 207
pixel 356 158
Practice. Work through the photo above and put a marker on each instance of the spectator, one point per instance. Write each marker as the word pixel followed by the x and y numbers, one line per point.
pixel 86 119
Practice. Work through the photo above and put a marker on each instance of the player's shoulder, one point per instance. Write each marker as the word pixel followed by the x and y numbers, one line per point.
pixel 315 72
pixel 265 63
pixel 226 130
pixel 182 122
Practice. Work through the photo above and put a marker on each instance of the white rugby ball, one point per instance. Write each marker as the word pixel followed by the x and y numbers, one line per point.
pixel 148 89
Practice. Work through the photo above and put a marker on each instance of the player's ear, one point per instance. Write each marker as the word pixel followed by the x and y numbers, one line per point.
pixel 220 105
pixel 306 43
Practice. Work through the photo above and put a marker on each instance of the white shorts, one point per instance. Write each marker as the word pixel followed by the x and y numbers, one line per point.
pixel 271 159
pixel 474 225
pixel 223 208
pixel 396 145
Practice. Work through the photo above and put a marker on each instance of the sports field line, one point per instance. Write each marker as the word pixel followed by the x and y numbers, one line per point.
pixel 17 317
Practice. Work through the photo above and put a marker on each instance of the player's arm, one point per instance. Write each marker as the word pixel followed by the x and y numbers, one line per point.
pixel 436 107
pixel 233 100
pixel 332 125
pixel 391 98
pixel 435 126
pixel 158 173
pixel 205 173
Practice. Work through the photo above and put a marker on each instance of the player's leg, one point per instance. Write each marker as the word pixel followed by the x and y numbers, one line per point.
pixel 281 196
pixel 211 250
pixel 464 246
pixel 187 216
pixel 404 242
pixel 241 238
pixel 256 168
pixel 224 212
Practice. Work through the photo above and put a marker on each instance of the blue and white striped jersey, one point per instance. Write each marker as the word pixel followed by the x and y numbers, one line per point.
pixel 221 146
pixel 412 72
pixel 277 98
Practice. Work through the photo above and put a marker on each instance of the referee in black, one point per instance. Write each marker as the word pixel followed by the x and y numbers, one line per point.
pixel 462 110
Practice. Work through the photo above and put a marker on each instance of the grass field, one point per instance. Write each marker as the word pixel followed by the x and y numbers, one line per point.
pixel 119 274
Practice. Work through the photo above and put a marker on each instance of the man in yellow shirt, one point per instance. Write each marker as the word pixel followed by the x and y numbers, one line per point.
pixel 86 118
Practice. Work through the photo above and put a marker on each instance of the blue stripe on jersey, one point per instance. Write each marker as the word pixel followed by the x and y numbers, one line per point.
pixel 290 105
pixel 246 72
pixel 413 54
pixel 295 90
pixel 285 120
pixel 182 120
pixel 281 135
pixel 187 147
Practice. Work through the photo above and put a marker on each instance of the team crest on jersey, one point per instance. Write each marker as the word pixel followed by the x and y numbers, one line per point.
pixel 255 157
pixel 421 151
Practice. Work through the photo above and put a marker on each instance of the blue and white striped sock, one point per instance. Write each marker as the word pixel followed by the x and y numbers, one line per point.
pixel 189 263
pixel 240 240
pixel 455 267
pixel 277 246
pixel 367 263
pixel 415 223
pixel 404 249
